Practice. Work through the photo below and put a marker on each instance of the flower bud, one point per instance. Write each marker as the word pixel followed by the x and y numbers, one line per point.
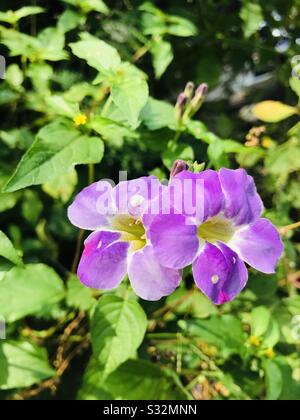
pixel 197 101
pixel 189 90
pixel 178 166
pixel 180 106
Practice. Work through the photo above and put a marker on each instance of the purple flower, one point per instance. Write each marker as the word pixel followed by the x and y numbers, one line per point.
pixel 120 218
pixel 217 240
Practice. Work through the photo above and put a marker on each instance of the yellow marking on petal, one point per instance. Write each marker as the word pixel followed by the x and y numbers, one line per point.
pixel 216 230
pixel 254 341
pixel 132 231
pixel 80 119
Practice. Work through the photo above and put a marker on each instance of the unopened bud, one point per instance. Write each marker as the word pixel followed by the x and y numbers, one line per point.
pixel 178 166
pixel 197 101
pixel 189 90
pixel 202 90
pixel 180 106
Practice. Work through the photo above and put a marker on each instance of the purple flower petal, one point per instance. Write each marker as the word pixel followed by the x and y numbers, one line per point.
pixel 92 206
pixel 242 202
pixel 133 197
pixel 149 279
pixel 206 205
pixel 103 264
pixel 259 245
pixel 219 273
pixel 175 242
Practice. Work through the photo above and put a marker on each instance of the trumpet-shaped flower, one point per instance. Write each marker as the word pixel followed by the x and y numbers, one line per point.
pixel 218 240
pixel 119 243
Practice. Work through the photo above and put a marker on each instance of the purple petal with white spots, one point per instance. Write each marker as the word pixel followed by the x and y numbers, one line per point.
pixel 92 206
pixel 103 264
pixel 149 279
pixel 259 245
pixel 175 242
pixel 219 273
pixel 242 202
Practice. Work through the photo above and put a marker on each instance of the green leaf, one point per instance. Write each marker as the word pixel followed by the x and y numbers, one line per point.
pixel 177 151
pixel 284 159
pixel 13 17
pixel 274 381
pixel 19 43
pixel 226 333
pixel 22 364
pixel 93 387
pixel 98 54
pixel 111 131
pixel 156 22
pixel 8 251
pixel 70 20
pixel 130 93
pixel 14 76
pixel 162 53
pixel 272 335
pixel 48 45
pixel 118 328
pixel 260 320
pixel 263 325
pixel 197 304
pixel 142 380
pixel 252 16
pixel 89 5
pixel 32 207
pixel 158 114
pixel 217 154
pixel 62 188
pixel 295 85
pixel 58 148
pixel 78 295
pixel 291 386
pixel 26 291
pixel 52 42
pixel 7 200
pixel 182 27
pixel 58 105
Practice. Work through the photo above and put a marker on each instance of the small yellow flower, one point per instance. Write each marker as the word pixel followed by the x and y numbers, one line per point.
pixel 254 341
pixel 270 353
pixel 80 119
pixel 267 142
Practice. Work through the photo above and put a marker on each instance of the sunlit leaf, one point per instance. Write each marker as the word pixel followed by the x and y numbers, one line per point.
pixel 273 111
pixel 58 148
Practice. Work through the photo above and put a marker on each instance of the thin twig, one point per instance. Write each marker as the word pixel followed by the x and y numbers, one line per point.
pixel 286 229
pixel 78 250
pixel 61 362
pixel 140 53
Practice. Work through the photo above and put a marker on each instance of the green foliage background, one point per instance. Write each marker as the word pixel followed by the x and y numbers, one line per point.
pixel 122 64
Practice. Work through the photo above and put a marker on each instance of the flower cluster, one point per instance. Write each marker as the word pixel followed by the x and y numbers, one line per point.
pixel 210 220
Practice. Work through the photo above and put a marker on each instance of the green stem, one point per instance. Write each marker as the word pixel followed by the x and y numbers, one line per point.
pixel 77 251
pixel 91 173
